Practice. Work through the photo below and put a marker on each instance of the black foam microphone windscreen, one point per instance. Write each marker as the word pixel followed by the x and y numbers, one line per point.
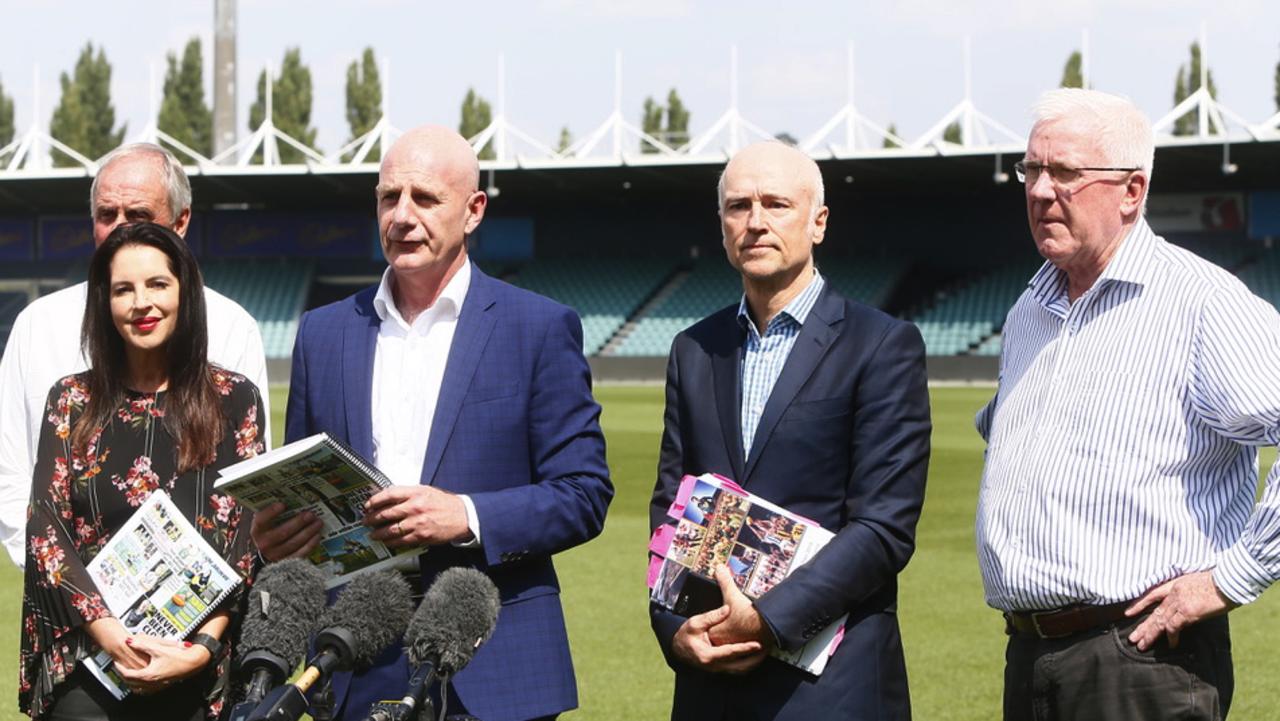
pixel 457 614
pixel 285 605
pixel 375 608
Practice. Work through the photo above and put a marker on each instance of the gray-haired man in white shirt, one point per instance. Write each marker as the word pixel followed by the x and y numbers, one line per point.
pixel 135 183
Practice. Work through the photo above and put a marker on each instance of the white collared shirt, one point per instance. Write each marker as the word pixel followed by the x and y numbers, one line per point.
pixel 45 346
pixel 408 369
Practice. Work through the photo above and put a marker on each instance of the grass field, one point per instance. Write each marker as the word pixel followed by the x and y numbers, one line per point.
pixel 954 643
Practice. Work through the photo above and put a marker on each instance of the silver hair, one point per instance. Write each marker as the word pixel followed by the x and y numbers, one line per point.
pixel 177 186
pixel 1123 131
pixel 819 190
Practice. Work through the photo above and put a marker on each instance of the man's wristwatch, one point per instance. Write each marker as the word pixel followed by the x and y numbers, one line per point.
pixel 211 644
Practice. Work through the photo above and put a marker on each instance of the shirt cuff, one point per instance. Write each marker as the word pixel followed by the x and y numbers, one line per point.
pixel 473 524
pixel 1239 576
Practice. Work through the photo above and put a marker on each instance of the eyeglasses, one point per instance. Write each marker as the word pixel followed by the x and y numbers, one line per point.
pixel 1061 175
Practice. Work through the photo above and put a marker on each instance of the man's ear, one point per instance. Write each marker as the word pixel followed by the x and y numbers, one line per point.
pixel 820 225
pixel 476 205
pixel 182 222
pixel 1135 192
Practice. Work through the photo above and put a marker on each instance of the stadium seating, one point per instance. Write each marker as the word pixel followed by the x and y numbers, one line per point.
pixel 604 292
pixel 711 285
pixel 272 291
pixel 963 318
pixel 866 280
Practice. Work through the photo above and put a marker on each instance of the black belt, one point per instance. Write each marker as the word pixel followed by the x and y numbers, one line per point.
pixel 1063 622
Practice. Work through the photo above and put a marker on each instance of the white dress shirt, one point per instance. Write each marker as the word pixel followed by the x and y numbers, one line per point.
pixel 1121 444
pixel 45 346
pixel 408 368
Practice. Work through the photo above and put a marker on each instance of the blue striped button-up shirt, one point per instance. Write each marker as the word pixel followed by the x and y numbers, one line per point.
pixel 764 355
pixel 1121 441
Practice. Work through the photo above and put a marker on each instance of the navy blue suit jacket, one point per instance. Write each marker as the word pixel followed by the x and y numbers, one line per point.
pixel 516 429
pixel 843 440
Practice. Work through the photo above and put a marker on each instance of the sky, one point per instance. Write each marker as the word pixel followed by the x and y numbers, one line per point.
pixel 559 56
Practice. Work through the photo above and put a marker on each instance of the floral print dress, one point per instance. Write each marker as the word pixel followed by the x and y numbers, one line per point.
pixel 79 500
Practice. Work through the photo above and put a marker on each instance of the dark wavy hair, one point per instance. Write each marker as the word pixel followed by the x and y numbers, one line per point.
pixel 192 411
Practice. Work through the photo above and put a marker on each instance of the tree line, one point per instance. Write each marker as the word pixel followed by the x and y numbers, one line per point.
pixel 84 118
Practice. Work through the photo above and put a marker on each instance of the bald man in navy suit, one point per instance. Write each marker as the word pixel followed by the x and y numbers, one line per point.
pixel 816 403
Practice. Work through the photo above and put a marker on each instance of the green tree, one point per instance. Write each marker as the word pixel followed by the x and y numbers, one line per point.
pixel 677 121
pixel 6 118
pixel 183 112
pixel 566 140
pixel 290 105
pixel 890 142
pixel 84 117
pixel 364 98
pixel 1073 71
pixel 476 116
pixel 651 124
pixel 1187 82
pixel 953 133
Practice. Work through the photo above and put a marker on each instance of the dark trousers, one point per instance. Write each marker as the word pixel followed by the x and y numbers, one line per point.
pixel 1098 675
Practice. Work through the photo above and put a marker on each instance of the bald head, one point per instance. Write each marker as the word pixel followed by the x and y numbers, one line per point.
pixel 439 151
pixel 428 203
pixel 785 163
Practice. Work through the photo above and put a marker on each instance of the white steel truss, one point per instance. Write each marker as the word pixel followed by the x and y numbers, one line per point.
pixel 380 135
pixel 848 134
pixel 737 130
pixel 28 154
pixel 1211 116
pixel 501 131
pixel 153 134
pixel 265 139
pixel 974 123
pixel 852 122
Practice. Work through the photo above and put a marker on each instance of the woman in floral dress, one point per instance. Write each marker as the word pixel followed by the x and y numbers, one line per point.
pixel 151 413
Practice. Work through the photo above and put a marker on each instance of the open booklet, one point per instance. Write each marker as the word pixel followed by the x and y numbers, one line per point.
pixel 322 475
pixel 715 522
pixel 159 577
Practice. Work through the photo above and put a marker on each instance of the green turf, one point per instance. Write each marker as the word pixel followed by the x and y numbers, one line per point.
pixel 954 643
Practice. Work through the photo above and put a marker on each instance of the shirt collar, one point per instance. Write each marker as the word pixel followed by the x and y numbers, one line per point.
pixel 449 303
pixel 798 309
pixel 1131 264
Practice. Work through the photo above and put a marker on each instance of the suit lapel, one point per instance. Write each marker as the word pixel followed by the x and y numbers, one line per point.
pixel 816 336
pixel 359 341
pixel 726 365
pixel 475 323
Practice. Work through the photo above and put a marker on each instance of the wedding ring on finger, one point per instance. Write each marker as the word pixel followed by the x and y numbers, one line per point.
pixel 395 528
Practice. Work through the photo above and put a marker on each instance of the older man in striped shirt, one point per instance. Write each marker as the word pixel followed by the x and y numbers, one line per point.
pixel 1116 519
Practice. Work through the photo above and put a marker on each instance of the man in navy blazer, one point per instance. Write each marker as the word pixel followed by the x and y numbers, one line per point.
pixel 816 403
pixel 475 399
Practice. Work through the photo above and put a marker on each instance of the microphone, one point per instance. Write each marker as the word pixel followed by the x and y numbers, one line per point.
pixel 457 614
pixel 284 607
pixel 368 616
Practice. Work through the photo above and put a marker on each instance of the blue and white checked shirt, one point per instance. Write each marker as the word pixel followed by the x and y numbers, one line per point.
pixel 764 356
pixel 1121 442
